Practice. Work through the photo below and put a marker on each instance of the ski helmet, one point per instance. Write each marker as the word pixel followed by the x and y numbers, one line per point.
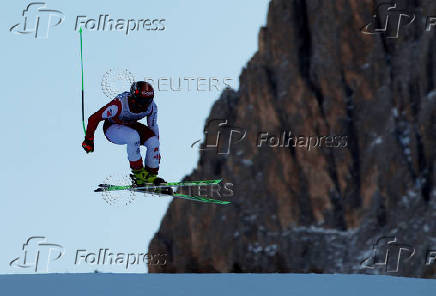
pixel 142 92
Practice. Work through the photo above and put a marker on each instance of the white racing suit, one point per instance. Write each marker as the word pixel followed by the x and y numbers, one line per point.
pixel 121 127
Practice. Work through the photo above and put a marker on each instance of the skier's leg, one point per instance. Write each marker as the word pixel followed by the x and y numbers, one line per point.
pixel 151 142
pixel 152 160
pixel 124 135
pixel 152 157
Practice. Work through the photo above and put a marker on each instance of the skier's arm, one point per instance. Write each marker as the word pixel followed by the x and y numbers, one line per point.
pixel 112 109
pixel 152 120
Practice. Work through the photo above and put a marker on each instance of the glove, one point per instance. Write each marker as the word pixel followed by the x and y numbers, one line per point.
pixel 88 145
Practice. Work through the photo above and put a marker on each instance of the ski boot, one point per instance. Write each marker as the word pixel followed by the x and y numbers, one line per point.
pixel 143 177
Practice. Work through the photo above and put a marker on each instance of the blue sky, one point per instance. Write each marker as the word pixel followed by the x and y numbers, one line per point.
pixel 47 178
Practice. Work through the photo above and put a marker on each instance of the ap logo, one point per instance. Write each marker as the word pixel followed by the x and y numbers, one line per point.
pixel 224 138
pixel 388 20
pixel 37 254
pixel 387 254
pixel 38 20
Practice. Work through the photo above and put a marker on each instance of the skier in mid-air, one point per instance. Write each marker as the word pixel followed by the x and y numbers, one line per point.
pixel 121 127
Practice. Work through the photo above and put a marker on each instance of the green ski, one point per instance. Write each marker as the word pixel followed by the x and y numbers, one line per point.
pixel 189 197
pixel 202 199
pixel 154 190
pixel 109 187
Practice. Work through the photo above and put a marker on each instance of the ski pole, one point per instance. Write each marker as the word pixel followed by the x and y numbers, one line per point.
pixel 83 92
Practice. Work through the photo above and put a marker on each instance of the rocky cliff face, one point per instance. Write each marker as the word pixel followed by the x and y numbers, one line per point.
pixel 346 126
